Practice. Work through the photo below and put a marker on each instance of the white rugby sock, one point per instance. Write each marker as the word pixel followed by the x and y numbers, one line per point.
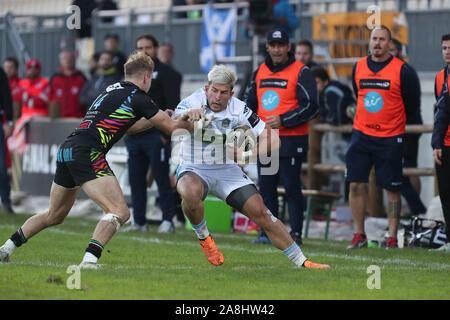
pixel 9 246
pixel 295 254
pixel 201 230
pixel 89 258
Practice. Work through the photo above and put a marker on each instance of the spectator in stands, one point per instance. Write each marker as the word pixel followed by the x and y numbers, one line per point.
pixel 396 49
pixel 34 92
pixel 107 5
pixel 93 64
pixel 5 132
pixel 304 52
pixel 111 44
pixel 260 18
pixel 410 189
pixel 284 94
pixel 86 8
pixel 176 3
pixel 11 67
pixel 193 14
pixel 166 53
pixel 66 85
pixel 151 147
pixel 334 98
pixel 285 17
pixel 106 75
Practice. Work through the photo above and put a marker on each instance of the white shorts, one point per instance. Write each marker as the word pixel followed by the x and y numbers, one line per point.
pixel 218 182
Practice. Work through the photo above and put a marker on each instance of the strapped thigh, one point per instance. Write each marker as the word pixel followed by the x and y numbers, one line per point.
pixel 237 198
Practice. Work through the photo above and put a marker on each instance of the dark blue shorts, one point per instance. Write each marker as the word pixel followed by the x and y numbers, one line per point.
pixel 385 154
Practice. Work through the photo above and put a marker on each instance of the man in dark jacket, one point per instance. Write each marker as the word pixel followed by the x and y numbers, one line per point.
pixel 5 131
pixel 111 43
pixel 152 147
pixel 411 185
pixel 440 140
pixel 334 98
pixel 105 75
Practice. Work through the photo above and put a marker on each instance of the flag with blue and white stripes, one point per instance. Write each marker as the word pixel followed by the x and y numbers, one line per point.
pixel 219 25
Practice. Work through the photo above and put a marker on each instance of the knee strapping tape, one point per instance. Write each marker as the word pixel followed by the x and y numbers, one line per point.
pixel 114 219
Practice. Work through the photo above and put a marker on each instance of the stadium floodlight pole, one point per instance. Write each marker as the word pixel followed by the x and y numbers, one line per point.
pixel 16 39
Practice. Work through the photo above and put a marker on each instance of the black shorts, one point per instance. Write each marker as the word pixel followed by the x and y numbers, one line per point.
pixel 385 154
pixel 77 164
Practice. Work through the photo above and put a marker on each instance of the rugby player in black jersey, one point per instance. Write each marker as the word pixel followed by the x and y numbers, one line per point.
pixel 81 164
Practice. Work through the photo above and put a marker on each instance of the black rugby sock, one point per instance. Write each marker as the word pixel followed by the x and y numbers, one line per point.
pixel 18 238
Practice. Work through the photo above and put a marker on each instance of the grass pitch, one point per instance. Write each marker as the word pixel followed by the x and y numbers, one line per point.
pixel 173 267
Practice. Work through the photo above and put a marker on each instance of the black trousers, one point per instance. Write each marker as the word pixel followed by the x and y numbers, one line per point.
pixel 289 172
pixel 443 177
pixel 146 150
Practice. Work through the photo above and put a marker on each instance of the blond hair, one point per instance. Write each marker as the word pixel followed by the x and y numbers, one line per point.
pixel 222 74
pixel 137 64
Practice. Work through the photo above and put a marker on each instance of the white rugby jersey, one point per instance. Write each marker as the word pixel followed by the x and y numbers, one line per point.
pixel 207 146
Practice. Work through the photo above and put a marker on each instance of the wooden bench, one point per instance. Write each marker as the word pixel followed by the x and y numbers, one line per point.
pixel 329 168
pixel 316 200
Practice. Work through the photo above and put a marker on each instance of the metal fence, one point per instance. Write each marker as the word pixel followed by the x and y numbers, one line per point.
pixel 425 28
pixel 183 33
pixel 44 36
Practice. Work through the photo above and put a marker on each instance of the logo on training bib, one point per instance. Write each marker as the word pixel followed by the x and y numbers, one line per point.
pixel 373 102
pixel 270 100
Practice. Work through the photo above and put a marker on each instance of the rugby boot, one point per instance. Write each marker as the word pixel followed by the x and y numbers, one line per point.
pixel 392 243
pixel 311 265
pixel 359 241
pixel 212 253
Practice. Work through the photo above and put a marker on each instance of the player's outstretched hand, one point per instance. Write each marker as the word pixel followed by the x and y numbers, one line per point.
pixel 205 120
pixel 169 112
pixel 195 114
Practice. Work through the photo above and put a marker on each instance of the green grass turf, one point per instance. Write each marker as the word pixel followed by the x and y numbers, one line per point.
pixel 153 266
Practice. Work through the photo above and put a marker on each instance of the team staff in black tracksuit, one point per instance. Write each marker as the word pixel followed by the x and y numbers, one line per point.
pixel 152 147
pixel 81 160
pixel 410 189
pixel 440 140
pixel 5 130
pixel 334 98
pixel 283 92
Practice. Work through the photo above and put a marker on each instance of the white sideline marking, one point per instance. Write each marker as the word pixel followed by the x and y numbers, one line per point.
pixel 235 268
pixel 59 265
pixel 36 264
pixel 382 261
pixel 351 257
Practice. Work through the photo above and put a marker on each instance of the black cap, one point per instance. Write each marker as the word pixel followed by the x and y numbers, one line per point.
pixel 278 35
